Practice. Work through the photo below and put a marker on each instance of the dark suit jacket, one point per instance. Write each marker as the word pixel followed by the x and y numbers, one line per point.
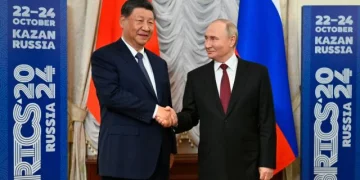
pixel 232 145
pixel 130 140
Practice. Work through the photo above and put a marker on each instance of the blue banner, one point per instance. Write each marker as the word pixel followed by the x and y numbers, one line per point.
pixel 330 118
pixel 33 91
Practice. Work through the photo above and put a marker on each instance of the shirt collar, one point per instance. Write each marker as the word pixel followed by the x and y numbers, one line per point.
pixel 132 50
pixel 232 63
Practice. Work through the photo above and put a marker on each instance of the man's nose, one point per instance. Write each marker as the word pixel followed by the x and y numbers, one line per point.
pixel 207 44
pixel 146 27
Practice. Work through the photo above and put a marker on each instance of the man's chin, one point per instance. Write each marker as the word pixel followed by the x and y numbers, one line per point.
pixel 211 56
pixel 143 41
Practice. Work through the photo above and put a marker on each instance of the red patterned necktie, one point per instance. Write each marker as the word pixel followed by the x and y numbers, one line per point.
pixel 225 91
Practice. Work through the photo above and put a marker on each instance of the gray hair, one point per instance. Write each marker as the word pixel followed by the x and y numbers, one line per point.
pixel 231 29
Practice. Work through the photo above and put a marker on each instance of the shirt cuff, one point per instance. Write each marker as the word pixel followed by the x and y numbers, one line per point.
pixel 155 111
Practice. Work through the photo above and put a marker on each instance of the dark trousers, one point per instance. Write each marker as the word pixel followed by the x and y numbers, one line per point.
pixel 161 171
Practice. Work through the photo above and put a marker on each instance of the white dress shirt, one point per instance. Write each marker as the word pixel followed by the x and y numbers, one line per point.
pixel 231 71
pixel 147 67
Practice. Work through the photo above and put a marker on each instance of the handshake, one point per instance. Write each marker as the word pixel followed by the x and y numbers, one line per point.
pixel 166 116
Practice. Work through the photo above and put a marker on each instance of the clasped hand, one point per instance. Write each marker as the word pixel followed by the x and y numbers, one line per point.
pixel 166 116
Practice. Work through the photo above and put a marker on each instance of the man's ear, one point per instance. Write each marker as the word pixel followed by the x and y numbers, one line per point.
pixel 232 41
pixel 122 21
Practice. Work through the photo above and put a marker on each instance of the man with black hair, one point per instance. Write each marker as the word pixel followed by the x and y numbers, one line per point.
pixel 133 88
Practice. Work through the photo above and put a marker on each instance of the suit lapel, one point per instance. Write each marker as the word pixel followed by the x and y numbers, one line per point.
pixel 157 69
pixel 239 84
pixel 134 67
pixel 212 88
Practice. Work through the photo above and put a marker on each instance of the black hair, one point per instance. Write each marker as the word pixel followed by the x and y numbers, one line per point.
pixel 130 5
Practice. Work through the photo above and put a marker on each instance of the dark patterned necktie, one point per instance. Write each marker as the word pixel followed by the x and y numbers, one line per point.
pixel 140 57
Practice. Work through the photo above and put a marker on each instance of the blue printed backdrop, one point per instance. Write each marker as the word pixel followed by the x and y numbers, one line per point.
pixel 330 92
pixel 34 110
